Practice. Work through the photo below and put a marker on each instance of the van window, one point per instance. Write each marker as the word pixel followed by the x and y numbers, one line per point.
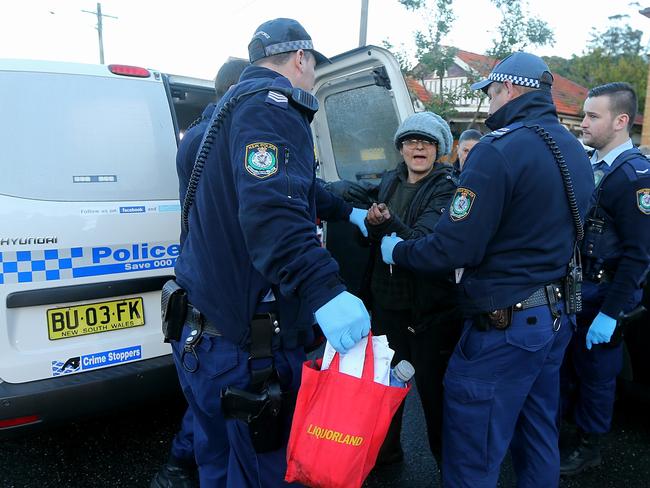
pixel 362 122
pixel 189 102
pixel 85 138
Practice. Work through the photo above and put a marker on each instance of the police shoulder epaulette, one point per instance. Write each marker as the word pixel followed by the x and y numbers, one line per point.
pixel 497 134
pixel 636 166
pixel 276 98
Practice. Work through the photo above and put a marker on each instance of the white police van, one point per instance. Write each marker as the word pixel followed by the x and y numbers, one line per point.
pixel 90 217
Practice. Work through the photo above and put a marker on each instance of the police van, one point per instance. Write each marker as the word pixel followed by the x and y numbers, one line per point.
pixel 91 218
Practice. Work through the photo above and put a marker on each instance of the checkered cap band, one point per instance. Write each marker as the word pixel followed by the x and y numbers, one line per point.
pixel 285 47
pixel 516 80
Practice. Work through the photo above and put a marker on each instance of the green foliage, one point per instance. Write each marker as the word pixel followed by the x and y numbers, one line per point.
pixel 517 30
pixel 616 54
pixel 413 4
pixel 432 56
pixel 400 55
pixel 617 40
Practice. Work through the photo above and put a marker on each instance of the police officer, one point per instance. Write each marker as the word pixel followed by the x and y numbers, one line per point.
pixel 179 470
pixel 615 257
pixel 509 234
pixel 252 264
pixel 467 140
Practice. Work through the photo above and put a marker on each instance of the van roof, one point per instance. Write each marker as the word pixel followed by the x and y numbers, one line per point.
pixel 60 67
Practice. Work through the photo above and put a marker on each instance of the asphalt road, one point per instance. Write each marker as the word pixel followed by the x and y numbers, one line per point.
pixel 124 449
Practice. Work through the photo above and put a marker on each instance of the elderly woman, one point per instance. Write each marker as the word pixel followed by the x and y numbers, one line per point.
pixel 417 313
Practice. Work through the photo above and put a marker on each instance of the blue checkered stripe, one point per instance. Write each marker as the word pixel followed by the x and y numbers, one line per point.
pixel 58 368
pixel 516 80
pixel 285 47
pixel 37 265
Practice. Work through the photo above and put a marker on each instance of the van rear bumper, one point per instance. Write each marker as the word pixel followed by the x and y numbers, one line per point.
pixel 79 395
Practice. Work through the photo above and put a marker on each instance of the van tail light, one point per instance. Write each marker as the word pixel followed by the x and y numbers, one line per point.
pixel 125 70
pixel 17 421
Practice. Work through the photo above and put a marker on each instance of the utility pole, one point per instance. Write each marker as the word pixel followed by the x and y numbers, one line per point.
pixel 99 15
pixel 645 131
pixel 363 26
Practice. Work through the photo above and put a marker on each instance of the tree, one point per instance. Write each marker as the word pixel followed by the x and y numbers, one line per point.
pixel 401 55
pixel 617 40
pixel 517 30
pixel 615 54
pixel 432 56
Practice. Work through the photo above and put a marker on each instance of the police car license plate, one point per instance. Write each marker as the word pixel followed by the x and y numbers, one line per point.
pixel 93 318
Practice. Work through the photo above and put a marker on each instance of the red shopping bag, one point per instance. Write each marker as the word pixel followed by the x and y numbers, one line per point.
pixel 339 424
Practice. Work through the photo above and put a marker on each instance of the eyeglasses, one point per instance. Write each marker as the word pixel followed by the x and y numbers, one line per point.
pixel 413 143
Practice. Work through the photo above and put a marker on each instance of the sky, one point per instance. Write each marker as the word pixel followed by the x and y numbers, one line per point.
pixel 194 37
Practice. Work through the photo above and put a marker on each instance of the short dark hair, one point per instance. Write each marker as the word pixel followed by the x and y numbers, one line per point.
pixel 622 99
pixel 469 135
pixel 228 75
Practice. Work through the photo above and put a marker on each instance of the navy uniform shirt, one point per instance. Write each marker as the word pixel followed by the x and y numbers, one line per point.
pixel 509 224
pixel 329 207
pixel 186 155
pixel 252 226
pixel 623 196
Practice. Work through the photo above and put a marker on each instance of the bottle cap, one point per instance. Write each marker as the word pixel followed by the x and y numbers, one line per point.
pixel 404 371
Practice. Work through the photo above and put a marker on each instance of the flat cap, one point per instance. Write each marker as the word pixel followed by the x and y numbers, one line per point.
pixel 281 36
pixel 522 69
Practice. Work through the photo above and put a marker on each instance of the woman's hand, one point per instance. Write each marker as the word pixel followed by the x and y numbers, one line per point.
pixel 378 214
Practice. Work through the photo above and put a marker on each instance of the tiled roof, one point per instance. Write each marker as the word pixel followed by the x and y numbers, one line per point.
pixel 567 95
pixel 418 90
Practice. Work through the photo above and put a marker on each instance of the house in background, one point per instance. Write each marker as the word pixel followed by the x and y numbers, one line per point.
pixel 472 112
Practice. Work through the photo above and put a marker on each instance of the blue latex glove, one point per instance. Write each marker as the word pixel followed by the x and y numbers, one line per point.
pixel 601 330
pixel 344 320
pixel 358 217
pixel 388 243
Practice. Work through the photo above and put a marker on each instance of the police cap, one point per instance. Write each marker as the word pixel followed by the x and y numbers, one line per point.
pixel 522 69
pixel 281 36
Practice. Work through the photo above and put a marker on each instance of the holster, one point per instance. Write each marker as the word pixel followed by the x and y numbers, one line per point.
pixel 497 319
pixel 500 319
pixel 264 407
pixel 173 310
pixel 573 285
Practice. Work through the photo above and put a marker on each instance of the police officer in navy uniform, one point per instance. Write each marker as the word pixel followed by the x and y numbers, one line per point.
pixel 509 235
pixel 252 256
pixel 615 258
pixel 179 470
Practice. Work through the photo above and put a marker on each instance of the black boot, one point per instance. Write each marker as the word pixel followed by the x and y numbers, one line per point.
pixel 175 473
pixel 586 455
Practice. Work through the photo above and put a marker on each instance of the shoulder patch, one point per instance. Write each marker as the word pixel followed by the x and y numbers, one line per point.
pixel 261 159
pixel 643 200
pixel 461 204
pixel 277 99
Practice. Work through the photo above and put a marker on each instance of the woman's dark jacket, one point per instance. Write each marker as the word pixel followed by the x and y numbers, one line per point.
pixel 430 297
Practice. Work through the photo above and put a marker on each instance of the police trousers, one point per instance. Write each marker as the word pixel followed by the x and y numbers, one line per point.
pixel 589 376
pixel 501 390
pixel 222 447
pixel 182 451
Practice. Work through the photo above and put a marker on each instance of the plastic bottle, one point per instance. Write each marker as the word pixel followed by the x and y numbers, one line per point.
pixel 401 374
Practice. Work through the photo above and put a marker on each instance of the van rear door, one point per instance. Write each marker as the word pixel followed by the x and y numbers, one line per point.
pixel 363 98
pixel 90 218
